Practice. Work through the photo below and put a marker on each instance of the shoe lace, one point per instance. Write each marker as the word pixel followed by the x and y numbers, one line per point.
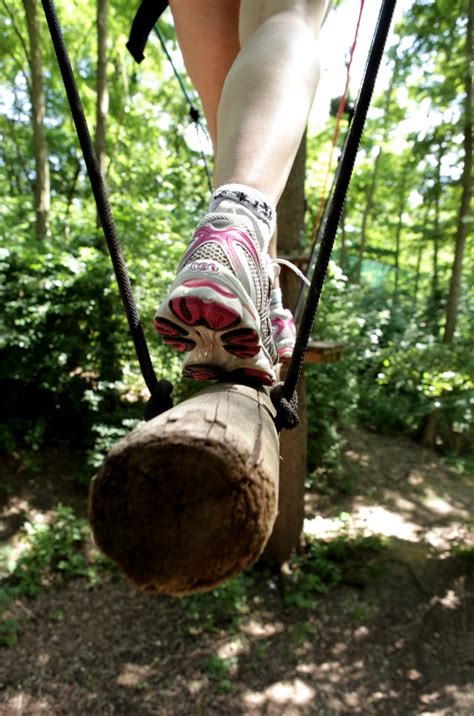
pixel 277 263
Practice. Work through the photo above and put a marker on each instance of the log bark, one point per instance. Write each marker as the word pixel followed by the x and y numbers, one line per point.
pixel 189 499
pixel 287 535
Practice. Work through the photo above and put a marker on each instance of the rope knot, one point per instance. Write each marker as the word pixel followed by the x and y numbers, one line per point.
pixel 160 400
pixel 194 114
pixel 287 410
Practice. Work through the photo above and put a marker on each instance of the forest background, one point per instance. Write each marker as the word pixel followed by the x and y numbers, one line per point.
pixel 399 290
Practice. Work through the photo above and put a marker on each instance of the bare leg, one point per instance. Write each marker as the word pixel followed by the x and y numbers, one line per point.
pixel 208 35
pixel 256 99
pixel 268 93
pixel 218 308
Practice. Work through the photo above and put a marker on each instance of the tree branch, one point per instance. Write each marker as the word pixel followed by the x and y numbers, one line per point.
pixel 16 30
pixel 19 155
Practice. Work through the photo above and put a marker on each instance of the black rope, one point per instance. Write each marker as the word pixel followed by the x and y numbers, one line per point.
pixel 328 234
pixel 160 390
pixel 286 410
pixel 147 15
pixel 194 113
pixel 146 19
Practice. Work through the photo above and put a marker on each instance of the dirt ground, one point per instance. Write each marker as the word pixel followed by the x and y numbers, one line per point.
pixel 398 642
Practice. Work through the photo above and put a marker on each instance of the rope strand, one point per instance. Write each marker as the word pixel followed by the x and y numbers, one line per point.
pixel 194 113
pixel 284 396
pixel 156 388
pixel 340 112
pixel 323 202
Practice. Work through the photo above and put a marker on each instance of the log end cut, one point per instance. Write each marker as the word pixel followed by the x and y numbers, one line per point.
pixel 187 501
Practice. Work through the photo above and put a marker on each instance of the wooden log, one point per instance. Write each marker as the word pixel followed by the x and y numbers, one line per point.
pixel 188 499
pixel 324 351
pixel 291 222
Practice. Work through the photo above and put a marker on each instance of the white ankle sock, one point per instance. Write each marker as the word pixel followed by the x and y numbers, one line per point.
pixel 244 200
pixel 276 299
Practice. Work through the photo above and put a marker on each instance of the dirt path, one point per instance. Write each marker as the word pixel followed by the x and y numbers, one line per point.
pixel 396 639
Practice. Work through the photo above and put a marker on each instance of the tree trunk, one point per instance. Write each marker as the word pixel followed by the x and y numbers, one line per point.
pixel 433 311
pixel 464 211
pixel 369 199
pixel 288 528
pixel 420 252
pixel 343 252
pixel 102 106
pixel 429 429
pixel 40 146
pixel 435 279
pixel 109 359
pixel 417 276
pixel 398 236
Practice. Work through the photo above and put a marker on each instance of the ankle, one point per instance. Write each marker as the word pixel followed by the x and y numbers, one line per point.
pixel 249 202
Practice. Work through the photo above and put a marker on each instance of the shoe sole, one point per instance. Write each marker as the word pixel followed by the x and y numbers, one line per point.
pixel 284 344
pixel 284 354
pixel 219 331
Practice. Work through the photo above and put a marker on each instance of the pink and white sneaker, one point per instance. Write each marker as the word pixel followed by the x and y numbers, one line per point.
pixel 284 332
pixel 217 311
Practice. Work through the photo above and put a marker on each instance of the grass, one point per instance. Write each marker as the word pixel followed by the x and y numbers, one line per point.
pixel 326 564
pixel 55 552
pixel 51 553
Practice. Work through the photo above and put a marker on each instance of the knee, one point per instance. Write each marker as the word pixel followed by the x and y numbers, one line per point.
pixel 310 12
pixel 300 17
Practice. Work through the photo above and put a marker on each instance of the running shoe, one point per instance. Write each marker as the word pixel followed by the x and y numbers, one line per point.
pixel 217 311
pixel 284 332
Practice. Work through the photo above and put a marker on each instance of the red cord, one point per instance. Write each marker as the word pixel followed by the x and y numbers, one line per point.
pixel 342 105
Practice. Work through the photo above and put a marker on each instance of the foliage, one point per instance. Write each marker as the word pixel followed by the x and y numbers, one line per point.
pixel 67 369
pixel 426 376
pixel 399 224
pixel 332 390
pixel 50 333
pixel 8 632
pixel 394 372
pixel 8 625
pixel 219 669
pixel 65 354
pixel 51 552
pixel 324 565
pixel 466 553
pixel 221 608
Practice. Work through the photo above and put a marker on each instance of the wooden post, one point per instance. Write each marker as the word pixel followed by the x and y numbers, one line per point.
pixel 189 499
pixel 289 525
